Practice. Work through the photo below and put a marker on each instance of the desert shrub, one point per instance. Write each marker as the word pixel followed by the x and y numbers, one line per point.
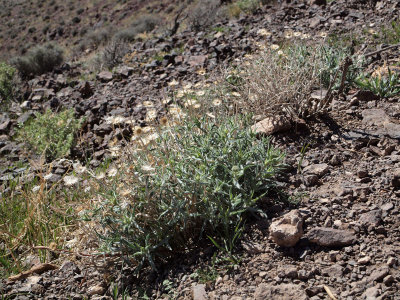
pixel 51 134
pixel 95 38
pixel 204 14
pixel 199 180
pixel 142 24
pixel 7 74
pixel 281 82
pixel 39 60
pixel 113 53
pixel 245 6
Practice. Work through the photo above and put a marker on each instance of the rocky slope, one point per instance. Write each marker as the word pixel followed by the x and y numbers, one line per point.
pixel 348 187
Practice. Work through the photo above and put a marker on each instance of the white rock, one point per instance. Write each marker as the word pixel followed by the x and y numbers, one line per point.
pixel 271 125
pixel 288 229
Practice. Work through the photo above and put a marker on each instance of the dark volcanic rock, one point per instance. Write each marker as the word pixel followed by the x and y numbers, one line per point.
pixel 330 237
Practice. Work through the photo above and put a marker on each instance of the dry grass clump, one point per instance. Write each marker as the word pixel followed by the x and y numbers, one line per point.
pixel 31 214
pixel 287 81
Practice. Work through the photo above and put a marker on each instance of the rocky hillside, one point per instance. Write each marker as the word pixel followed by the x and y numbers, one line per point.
pixel 331 223
pixel 28 23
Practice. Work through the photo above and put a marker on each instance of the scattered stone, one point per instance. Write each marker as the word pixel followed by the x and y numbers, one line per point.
pixel 124 71
pixel 105 76
pixel 396 178
pixel 317 2
pixel 310 180
pixel 387 206
pixel 199 292
pixel 96 290
pixel 334 271
pixel 317 169
pixel 52 178
pixel 330 237
pixel 288 272
pixel 4 125
pixel 388 280
pixel 379 273
pixel 371 218
pixel 271 125
pixel 362 173
pixel 279 292
pixel 364 260
pixel 371 293
pixel 288 229
pixel 391 261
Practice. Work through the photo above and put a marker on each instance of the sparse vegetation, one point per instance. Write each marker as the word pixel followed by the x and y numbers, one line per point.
pixel 384 86
pixel 39 60
pixel 113 53
pixel 282 81
pixel 7 88
pixel 51 134
pixel 31 214
pixel 142 24
pixel 200 181
pixel 204 14
pixel 389 34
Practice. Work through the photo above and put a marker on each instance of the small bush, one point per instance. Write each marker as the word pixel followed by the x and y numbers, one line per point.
pixel 39 60
pixel 113 53
pixel 199 180
pixel 245 6
pixel 7 74
pixel 383 86
pixel 282 81
pixel 204 14
pixel 145 23
pixel 51 134
pixel 96 38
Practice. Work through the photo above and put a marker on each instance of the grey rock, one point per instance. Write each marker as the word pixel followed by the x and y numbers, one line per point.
pixel 52 178
pixel 105 76
pixel 371 218
pixel 335 271
pixel 124 71
pixel 280 292
pixel 379 273
pixel 330 237
pixel 317 169
pixel 4 124
pixel 371 293
pixel 24 117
